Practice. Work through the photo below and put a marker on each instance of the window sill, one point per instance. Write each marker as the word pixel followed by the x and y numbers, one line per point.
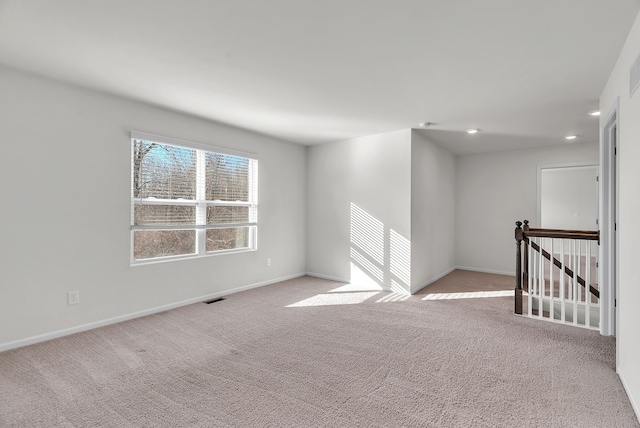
pixel 189 257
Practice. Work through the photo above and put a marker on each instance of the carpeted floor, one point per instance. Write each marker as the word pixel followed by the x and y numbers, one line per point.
pixel 316 353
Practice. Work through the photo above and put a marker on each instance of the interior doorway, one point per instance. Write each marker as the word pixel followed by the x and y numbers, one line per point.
pixel 568 196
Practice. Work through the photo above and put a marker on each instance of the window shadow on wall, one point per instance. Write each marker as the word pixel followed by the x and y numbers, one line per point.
pixel 380 256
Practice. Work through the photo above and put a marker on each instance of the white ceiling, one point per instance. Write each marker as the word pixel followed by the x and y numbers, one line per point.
pixel 525 73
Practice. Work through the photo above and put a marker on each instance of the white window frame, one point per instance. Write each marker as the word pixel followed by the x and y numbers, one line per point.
pixel 200 227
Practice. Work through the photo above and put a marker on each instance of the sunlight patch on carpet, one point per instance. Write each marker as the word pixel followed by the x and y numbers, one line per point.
pixel 334 299
pixel 469 295
pixel 393 297
pixel 357 286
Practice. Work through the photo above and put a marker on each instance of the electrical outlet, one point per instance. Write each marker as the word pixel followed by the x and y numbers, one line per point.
pixel 73 297
pixel 269 261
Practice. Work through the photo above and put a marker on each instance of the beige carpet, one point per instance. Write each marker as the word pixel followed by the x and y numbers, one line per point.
pixel 312 353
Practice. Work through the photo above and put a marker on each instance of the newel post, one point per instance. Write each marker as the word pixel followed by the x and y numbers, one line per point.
pixel 525 255
pixel 518 292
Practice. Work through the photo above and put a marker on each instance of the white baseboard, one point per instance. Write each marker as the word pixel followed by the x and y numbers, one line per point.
pixel 626 389
pixel 496 272
pixel 90 326
pixel 432 280
pixel 330 278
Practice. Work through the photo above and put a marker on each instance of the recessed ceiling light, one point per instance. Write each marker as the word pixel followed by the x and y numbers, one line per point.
pixel 594 113
pixel 472 131
pixel 571 137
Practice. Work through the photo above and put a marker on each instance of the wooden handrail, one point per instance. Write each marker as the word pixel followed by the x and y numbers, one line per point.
pixel 563 234
pixel 524 233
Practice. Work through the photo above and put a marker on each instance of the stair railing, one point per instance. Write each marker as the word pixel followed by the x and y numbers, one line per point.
pixel 556 270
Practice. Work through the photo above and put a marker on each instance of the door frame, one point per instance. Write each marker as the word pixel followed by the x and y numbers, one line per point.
pixel 608 213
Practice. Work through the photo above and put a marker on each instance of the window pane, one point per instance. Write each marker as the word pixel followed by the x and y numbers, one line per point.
pixel 227 239
pixel 149 244
pixel 162 171
pixel 172 187
pixel 218 214
pixel 165 215
pixel 227 177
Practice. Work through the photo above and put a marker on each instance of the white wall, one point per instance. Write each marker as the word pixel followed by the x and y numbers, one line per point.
pixel 493 191
pixel 359 199
pixel 629 207
pixel 65 184
pixel 432 211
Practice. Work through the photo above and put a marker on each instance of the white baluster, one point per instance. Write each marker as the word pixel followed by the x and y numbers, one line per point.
pixel 541 279
pixel 574 282
pixel 570 287
pixel 578 265
pixel 530 284
pixel 552 311
pixel 536 284
pixel 587 286
pixel 562 301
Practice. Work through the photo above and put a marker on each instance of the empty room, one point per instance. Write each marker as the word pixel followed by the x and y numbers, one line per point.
pixel 310 214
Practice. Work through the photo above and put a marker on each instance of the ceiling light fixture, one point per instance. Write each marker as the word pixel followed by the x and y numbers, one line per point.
pixel 594 113
pixel 425 124
pixel 472 131
pixel 571 137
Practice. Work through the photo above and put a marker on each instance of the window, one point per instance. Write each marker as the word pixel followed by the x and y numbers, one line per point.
pixel 187 201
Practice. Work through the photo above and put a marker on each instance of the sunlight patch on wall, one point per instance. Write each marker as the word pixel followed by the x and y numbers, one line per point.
pixel 398 288
pixel 361 262
pixel 400 260
pixel 367 249
pixel 367 233
pixel 379 256
pixel 469 295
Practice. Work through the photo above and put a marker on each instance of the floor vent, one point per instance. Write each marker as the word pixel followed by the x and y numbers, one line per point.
pixel 208 302
pixel 634 77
